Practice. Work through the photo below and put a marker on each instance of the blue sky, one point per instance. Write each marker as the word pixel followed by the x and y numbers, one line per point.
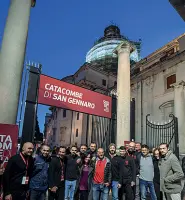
pixel 61 32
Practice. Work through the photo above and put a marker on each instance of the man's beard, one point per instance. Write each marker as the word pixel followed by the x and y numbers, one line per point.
pixel 130 151
pixel 26 154
pixel 101 157
pixel 112 152
pixel 163 155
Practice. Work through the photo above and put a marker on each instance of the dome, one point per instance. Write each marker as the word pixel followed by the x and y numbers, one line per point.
pixel 105 46
pixel 112 31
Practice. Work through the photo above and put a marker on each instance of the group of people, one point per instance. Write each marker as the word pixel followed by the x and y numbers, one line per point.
pixel 89 173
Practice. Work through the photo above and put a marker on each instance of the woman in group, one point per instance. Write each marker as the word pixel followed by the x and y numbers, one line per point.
pixel 85 178
pixel 156 179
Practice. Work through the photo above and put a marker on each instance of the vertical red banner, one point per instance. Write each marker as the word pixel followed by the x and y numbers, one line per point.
pixel 8 141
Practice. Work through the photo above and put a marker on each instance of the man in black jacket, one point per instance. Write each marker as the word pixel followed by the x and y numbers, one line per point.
pixel 129 175
pixel 17 174
pixel 156 179
pixel 117 170
pixel 136 156
pixel 72 173
pixel 56 175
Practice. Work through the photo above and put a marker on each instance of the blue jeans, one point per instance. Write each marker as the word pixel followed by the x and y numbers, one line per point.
pixel 37 195
pixel 144 185
pixel 70 190
pixel 114 188
pixel 100 191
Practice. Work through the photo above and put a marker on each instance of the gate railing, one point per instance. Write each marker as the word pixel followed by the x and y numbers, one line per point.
pixel 164 132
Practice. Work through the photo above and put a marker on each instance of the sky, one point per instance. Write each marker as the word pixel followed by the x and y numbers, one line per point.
pixel 61 31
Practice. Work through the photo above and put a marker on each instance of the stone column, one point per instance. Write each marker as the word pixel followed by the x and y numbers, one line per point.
pixel 179 112
pixel 123 93
pixel 12 58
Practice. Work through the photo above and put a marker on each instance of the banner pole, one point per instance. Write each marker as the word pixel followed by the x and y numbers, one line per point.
pixel 28 131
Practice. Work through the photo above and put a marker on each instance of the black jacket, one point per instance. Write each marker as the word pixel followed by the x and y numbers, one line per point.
pixel 72 168
pixel 137 157
pixel 93 154
pixel 129 170
pixel 14 173
pixel 183 165
pixel 116 168
pixel 107 170
pixel 55 171
pixel 156 171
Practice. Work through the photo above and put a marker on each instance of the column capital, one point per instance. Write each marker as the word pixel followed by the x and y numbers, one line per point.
pixel 124 47
pixel 33 3
pixel 178 84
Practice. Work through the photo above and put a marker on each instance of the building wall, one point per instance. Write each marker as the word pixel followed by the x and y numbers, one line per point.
pixel 49 132
pixel 97 77
pixel 156 99
pixel 66 129
pixel 63 127
pixel 80 75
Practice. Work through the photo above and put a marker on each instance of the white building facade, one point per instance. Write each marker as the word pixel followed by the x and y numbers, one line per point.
pixel 153 88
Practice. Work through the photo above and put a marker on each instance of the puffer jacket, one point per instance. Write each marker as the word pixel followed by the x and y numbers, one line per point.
pixel 171 174
pixel 107 170
pixel 39 177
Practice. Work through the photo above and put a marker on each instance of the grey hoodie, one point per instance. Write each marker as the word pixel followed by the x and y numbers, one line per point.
pixel 170 174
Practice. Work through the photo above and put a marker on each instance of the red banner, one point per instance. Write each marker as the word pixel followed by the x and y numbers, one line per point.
pixel 8 141
pixel 57 93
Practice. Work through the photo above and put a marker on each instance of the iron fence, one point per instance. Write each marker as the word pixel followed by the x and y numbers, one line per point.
pixel 165 132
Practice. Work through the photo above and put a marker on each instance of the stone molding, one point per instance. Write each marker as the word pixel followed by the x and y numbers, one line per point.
pixel 170 71
pixel 149 82
pixel 178 84
pixel 124 47
pixel 134 87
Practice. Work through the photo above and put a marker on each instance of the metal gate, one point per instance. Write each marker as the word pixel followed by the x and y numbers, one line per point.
pixel 166 132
